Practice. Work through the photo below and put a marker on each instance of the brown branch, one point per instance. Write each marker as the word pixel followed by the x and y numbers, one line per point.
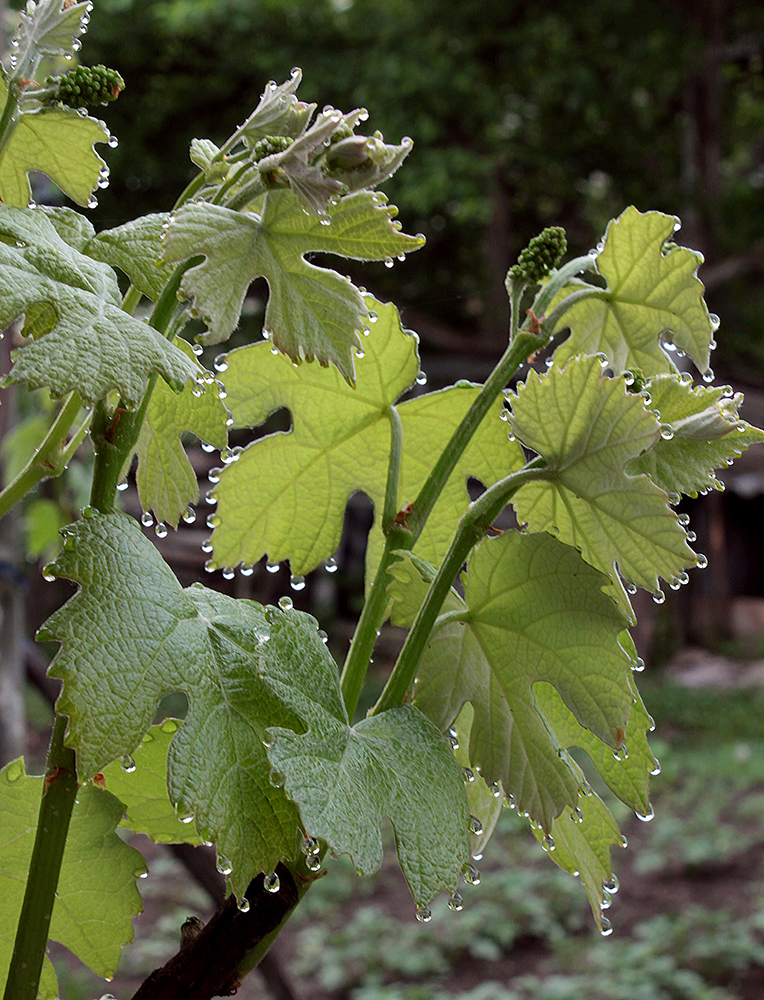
pixel 205 966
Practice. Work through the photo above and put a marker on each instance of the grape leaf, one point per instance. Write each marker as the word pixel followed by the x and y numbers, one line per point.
pixel 58 142
pixel 582 839
pixel 143 789
pixel 135 249
pixel 340 443
pixel 50 29
pixel 588 428
pixel 94 346
pixel 706 434
pixel 652 289
pixel 484 802
pixel 395 764
pixel 95 902
pixel 312 312
pixel 131 634
pixel 165 478
pixel 533 611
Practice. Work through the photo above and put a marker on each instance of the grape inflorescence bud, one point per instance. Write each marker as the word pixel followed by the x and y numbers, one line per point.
pixel 85 86
pixel 542 255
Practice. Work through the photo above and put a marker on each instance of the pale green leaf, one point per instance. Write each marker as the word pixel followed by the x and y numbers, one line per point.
pixel 706 434
pixel 131 634
pixel 96 898
pixel 143 789
pixel 340 444
pixel 312 312
pixel 94 346
pixel 582 840
pixel 135 249
pixel 533 611
pixel 395 764
pixel 71 226
pixel 587 428
pixel 165 478
pixel 58 142
pixel 652 290
pixel 50 28
pixel 484 802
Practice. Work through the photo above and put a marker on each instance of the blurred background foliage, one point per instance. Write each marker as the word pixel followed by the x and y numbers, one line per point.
pixel 523 115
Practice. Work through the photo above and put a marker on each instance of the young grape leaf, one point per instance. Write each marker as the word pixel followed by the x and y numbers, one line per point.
pixel 395 764
pixel 652 289
pixel 533 611
pixel 131 634
pixel 166 481
pixel 37 144
pixel 94 346
pixel 95 902
pixel 312 312
pixel 582 839
pixel 71 226
pixel 135 249
pixel 706 433
pixel 142 789
pixel 339 444
pixel 588 428
pixel 48 28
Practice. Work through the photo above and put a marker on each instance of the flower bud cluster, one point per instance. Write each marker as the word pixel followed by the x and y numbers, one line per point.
pixel 542 255
pixel 85 86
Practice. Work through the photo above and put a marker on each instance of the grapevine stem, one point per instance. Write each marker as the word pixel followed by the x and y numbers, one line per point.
pixel 59 792
pixel 50 456
pixel 472 526
pixel 397 537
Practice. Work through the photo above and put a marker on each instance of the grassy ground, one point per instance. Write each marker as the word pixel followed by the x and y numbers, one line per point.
pixel 688 919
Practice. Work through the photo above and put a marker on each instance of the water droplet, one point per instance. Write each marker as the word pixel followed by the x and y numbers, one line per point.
pixel 612 886
pixel 213 521
pixel 189 516
pixel 496 790
pixel 468 774
pixel 702 561
pixel 309 845
pixel 667 432
pixel 372 316
pixel 659 597
pixel 206 546
pixel 330 565
pixel 576 815
pixel 359 353
pixel 186 818
pixel 388 261
pixel 424 914
pixel 286 603
pixel 243 905
pixel 113 141
pixel 709 376
pixel 276 778
pixel 455 902
pixel 271 882
pixel 49 573
pixel 247 570
pixel 128 763
pixel 548 843
pixel 262 633
pixel 453 739
pixel 606 902
pixel 638 665
pixel 92 202
pixel 646 817
pixel 471 875
pixel 657 769
pixel 421 378
pixel 228 573
pixel 607 927
pixel 476 826
pixel 296 583
pixel 147 519
pixel 322 635
pixel 629 587
pixel 313 862
pixel 272 567
pixel 223 865
pixel 161 530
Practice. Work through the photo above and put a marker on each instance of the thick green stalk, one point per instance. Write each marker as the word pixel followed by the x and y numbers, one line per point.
pixel 397 536
pixel 44 867
pixel 49 458
pixel 472 526
pixel 523 345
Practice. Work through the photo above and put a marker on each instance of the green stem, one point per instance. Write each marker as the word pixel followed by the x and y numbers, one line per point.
pixel 49 458
pixel 397 537
pixel 250 191
pixel 591 291
pixel 472 526
pixel 10 116
pixel 56 807
pixel 523 345
pixel 559 279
